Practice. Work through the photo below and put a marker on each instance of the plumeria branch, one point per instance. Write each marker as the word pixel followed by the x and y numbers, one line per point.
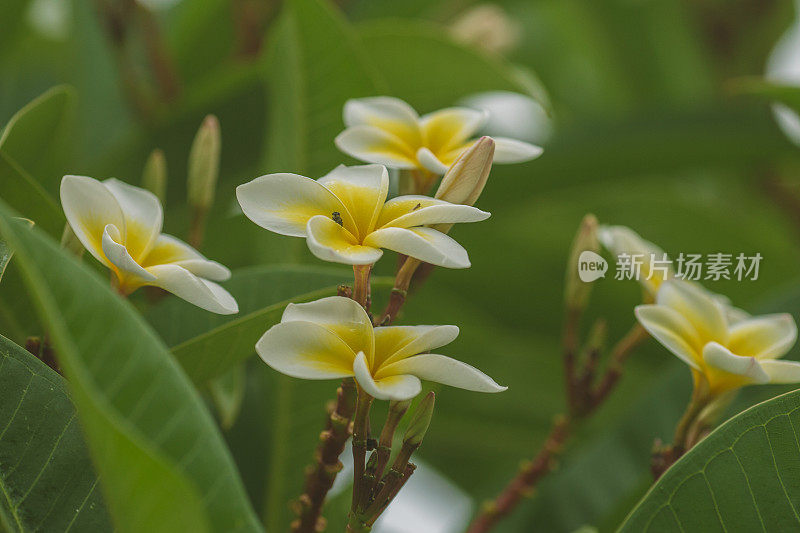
pixel 586 390
pixel 321 475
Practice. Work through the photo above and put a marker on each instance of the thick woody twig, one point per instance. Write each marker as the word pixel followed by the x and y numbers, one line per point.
pixel 321 474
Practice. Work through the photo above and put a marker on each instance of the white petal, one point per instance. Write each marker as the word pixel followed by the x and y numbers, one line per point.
pixel 673 331
pixel 425 244
pixel 448 128
pixel 119 256
pixel 763 337
pixel 718 357
pixel 342 316
pixel 393 343
pixel 430 162
pixel 89 206
pixel 623 240
pixel 781 371
pixel 198 291
pixel 362 189
pixel 444 370
pixel 697 306
pixel 385 112
pixel 143 216
pixel 375 145
pixel 171 250
pixel 395 387
pixel 513 151
pixel 305 350
pixel 410 211
pixel 284 203
pixel 331 242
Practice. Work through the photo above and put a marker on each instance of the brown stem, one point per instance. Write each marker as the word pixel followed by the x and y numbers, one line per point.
pixel 360 437
pixel 527 478
pixel 582 399
pixel 400 290
pixel 384 451
pixel 321 475
pixel 619 354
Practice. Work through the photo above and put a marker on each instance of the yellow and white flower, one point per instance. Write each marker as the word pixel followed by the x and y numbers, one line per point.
pixel 623 240
pixel 120 225
pixel 692 324
pixel 333 338
pixel 346 219
pixel 388 131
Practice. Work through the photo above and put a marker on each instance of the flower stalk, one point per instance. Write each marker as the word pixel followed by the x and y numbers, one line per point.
pixel 321 475
pixel 585 389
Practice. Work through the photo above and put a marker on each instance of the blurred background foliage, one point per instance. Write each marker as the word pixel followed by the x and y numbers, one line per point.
pixel 642 127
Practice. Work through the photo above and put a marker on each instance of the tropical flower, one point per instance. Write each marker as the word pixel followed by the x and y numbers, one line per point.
pixel 692 324
pixel 333 338
pixel 388 131
pixel 622 240
pixel 346 219
pixel 120 225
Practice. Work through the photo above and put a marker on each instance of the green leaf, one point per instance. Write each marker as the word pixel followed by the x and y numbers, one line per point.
pixel 743 476
pixel 47 479
pixel 6 252
pixel 163 463
pixel 315 65
pixel 427 68
pixel 29 162
pixel 262 293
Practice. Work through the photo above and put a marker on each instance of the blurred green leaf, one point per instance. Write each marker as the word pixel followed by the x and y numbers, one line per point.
pixel 427 68
pixel 309 79
pixel 12 13
pixel 6 252
pixel 227 392
pixel 46 474
pixel 163 463
pixel 743 476
pixel 209 345
pixel 29 157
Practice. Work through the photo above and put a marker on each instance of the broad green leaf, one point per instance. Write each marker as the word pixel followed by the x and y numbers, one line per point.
pixel 742 477
pixel 209 345
pixel 47 479
pixel 163 464
pixel 403 51
pixel 12 13
pixel 309 80
pixel 29 148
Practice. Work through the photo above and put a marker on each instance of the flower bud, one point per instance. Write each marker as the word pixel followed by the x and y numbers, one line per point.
pixel 576 291
pixel 204 164
pixel 154 176
pixel 419 424
pixel 465 179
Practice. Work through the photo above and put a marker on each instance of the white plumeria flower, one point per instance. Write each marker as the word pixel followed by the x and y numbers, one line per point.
pixel 388 131
pixel 333 338
pixel 120 225
pixel 691 324
pixel 346 219
pixel 623 240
